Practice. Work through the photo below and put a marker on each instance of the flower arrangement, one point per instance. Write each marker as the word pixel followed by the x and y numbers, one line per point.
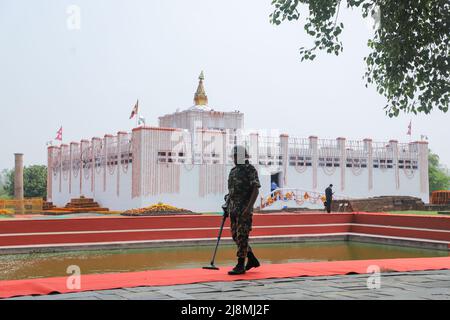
pixel 289 196
pixel 5 211
pixel 156 208
pixel 299 198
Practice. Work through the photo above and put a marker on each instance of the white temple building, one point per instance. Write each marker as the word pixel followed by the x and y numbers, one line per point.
pixel 186 160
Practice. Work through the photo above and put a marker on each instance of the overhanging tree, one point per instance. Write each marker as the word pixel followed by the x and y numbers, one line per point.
pixel 34 182
pixel 438 177
pixel 3 191
pixel 409 62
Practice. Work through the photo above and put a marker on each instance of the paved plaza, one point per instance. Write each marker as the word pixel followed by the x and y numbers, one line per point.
pixel 420 285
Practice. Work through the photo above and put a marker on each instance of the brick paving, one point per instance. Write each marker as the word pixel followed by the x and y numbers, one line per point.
pixel 421 285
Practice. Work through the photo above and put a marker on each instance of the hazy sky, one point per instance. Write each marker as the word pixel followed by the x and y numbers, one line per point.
pixel 88 80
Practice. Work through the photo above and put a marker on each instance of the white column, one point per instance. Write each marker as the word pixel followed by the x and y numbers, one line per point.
pixel 60 167
pixel 64 150
pixel 70 166
pixel 49 173
pixel 136 178
pixel 369 151
pixel 284 150
pixel 342 160
pixel 423 167
pixel 254 148
pixel 394 146
pixel 84 156
pixel 96 143
pixel 107 140
pixel 120 138
pixel 315 160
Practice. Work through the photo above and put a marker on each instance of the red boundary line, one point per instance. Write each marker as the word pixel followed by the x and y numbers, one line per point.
pixel 382 224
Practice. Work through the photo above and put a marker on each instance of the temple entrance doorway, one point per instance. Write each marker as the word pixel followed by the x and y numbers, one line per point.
pixel 275 181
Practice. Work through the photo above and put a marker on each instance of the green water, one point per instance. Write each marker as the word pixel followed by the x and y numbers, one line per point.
pixel 37 265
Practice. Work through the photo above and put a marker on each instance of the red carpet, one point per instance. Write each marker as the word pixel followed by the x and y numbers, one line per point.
pixel 42 286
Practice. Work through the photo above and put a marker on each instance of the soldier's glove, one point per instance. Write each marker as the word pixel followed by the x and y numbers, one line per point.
pixel 225 206
pixel 225 210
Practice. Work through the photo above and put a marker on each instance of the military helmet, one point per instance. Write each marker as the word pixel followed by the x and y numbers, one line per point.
pixel 240 153
pixel 237 149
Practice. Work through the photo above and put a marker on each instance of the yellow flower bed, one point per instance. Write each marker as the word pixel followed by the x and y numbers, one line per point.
pixel 109 212
pixel 159 207
pixel 6 211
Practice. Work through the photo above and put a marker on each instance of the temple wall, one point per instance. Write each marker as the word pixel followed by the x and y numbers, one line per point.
pixel 190 171
pixel 356 183
pixel 189 197
pixel 99 169
pixel 192 119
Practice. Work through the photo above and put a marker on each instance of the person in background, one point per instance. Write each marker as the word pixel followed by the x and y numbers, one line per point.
pixel 273 186
pixel 329 197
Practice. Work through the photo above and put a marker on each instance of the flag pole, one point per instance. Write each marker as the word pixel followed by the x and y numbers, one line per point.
pixel 137 114
pixel 410 134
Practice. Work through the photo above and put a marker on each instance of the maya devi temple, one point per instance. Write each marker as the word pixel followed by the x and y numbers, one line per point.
pixel 186 160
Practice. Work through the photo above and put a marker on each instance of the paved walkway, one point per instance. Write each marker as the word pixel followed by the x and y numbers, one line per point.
pixel 406 285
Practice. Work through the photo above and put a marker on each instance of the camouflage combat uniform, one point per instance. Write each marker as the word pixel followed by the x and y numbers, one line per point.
pixel 241 180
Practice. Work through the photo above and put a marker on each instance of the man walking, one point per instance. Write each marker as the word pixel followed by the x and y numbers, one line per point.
pixel 243 184
pixel 329 197
pixel 273 186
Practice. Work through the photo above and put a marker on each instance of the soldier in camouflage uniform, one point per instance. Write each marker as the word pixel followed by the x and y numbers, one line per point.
pixel 243 184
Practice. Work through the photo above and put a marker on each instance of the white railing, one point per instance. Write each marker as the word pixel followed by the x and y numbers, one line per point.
pixel 298 195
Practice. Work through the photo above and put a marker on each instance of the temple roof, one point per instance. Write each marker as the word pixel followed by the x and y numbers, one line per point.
pixel 200 97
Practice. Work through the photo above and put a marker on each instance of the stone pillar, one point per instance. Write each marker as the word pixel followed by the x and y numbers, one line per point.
pixel 394 147
pixel 18 181
pixel 18 176
pixel 369 151
pixel 342 160
pixel 315 159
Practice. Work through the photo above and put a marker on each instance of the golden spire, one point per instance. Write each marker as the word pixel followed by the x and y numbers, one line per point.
pixel 200 97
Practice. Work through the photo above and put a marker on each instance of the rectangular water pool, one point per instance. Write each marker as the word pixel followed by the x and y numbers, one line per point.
pixel 38 265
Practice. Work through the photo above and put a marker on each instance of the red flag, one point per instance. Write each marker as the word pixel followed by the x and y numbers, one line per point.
pixel 59 134
pixel 409 128
pixel 135 110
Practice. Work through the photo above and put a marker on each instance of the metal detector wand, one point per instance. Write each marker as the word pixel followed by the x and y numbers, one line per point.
pixel 225 215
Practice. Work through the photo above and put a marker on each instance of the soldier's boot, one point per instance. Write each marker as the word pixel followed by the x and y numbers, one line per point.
pixel 252 261
pixel 239 269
